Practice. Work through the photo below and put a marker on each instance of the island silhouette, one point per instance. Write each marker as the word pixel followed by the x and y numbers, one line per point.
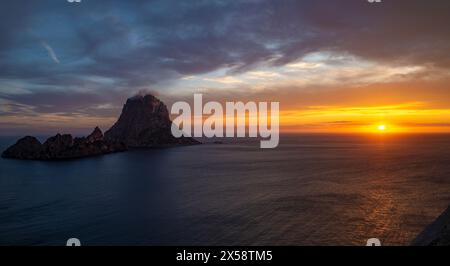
pixel 143 123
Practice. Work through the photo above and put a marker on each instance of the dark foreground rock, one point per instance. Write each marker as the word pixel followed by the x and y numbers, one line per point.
pixel 144 123
pixel 62 147
pixel 437 233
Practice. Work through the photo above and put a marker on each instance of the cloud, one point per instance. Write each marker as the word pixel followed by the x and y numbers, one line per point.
pixel 143 42
pixel 51 52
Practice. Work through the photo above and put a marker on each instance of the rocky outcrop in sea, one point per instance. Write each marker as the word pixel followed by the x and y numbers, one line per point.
pixel 61 147
pixel 144 123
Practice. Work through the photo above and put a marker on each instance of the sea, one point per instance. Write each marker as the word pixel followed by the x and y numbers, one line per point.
pixel 317 189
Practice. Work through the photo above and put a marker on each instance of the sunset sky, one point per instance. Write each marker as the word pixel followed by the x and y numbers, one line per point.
pixel 334 66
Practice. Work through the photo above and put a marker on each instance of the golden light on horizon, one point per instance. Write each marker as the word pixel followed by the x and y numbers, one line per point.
pixel 382 127
pixel 413 117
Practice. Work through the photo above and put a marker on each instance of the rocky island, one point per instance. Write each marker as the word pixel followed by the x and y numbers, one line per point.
pixel 62 147
pixel 143 123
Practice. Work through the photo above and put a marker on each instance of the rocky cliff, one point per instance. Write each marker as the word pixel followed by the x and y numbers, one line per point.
pixel 437 233
pixel 145 122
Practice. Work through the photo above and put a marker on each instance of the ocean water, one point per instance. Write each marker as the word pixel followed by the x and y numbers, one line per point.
pixel 311 190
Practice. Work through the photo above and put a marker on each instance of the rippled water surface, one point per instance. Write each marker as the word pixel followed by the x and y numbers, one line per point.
pixel 312 190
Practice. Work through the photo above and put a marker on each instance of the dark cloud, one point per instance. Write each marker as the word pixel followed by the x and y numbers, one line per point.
pixel 108 105
pixel 146 41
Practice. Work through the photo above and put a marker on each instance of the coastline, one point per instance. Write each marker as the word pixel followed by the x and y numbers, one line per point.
pixel 437 233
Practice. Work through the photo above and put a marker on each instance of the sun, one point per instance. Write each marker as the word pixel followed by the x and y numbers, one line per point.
pixel 382 127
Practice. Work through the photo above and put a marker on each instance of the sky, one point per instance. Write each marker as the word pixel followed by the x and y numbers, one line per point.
pixel 334 66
